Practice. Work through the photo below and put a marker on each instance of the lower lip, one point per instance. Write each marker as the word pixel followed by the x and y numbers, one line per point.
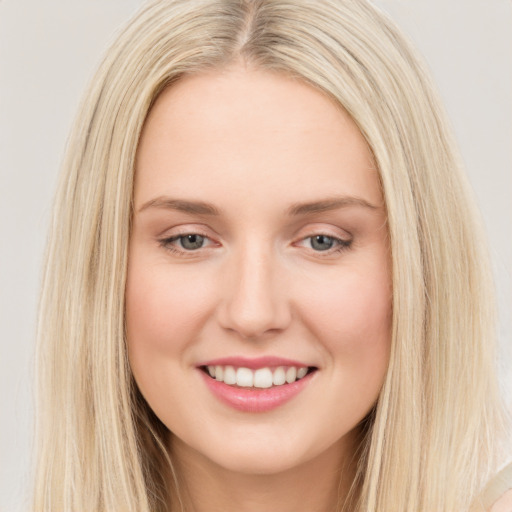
pixel 256 399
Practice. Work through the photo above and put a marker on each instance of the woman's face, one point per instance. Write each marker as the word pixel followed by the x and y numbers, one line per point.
pixel 258 249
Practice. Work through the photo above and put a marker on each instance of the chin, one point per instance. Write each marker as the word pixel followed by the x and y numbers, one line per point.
pixel 264 454
pixel 257 463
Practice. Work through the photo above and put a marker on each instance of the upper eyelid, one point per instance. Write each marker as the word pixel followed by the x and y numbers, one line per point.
pixel 177 236
pixel 339 245
pixel 313 231
pixel 185 229
pixel 198 229
pixel 202 233
pixel 326 232
pixel 333 237
pixel 334 232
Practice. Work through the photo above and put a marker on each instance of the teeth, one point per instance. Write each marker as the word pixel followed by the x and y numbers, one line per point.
pixel 301 372
pixel 261 378
pixel 291 374
pixel 244 377
pixel 279 377
pixel 229 375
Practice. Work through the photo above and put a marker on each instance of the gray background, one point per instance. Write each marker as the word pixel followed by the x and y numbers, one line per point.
pixel 48 51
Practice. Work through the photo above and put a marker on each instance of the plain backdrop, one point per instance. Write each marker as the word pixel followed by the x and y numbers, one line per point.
pixel 48 51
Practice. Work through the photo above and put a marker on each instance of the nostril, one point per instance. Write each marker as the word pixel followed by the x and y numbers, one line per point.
pixel 253 310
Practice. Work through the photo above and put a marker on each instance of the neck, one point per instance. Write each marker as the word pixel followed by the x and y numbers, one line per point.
pixel 321 484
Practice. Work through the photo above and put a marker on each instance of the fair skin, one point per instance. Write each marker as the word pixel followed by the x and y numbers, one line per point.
pixel 503 504
pixel 263 277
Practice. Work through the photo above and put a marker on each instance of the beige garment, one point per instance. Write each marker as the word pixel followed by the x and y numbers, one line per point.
pixel 498 486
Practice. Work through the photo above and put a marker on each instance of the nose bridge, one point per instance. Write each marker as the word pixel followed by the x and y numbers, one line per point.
pixel 253 300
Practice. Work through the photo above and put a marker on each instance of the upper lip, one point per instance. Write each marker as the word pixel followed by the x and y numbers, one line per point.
pixel 253 363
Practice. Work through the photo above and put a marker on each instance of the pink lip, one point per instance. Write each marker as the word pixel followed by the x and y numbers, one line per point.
pixel 253 363
pixel 255 399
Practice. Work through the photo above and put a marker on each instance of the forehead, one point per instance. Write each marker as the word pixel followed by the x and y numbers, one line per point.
pixel 251 132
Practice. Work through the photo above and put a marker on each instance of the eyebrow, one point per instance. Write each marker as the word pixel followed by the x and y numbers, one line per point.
pixel 296 209
pixel 181 205
pixel 328 204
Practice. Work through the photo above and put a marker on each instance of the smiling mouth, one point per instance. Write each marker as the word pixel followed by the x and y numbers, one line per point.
pixel 262 378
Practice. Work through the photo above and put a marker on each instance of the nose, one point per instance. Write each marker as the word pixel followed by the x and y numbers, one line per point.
pixel 254 299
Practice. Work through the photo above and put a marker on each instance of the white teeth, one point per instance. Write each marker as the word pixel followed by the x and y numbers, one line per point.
pixel 291 374
pixel 244 377
pixel 263 378
pixel 301 372
pixel 229 375
pixel 260 378
pixel 279 377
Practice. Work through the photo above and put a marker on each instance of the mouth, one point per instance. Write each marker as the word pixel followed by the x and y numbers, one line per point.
pixel 257 385
pixel 260 378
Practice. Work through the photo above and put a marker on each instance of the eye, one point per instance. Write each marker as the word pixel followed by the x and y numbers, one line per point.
pixel 191 242
pixel 186 242
pixel 322 242
pixel 326 243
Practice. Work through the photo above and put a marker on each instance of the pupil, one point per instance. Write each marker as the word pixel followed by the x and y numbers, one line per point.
pixel 322 242
pixel 192 241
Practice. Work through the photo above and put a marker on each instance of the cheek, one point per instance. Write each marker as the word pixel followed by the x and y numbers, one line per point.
pixel 352 317
pixel 356 320
pixel 163 309
pixel 164 313
pixel 356 304
pixel 163 318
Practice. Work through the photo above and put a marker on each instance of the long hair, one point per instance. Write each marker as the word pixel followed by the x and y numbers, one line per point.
pixel 432 438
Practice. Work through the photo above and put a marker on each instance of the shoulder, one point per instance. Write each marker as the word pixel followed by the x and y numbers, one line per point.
pixel 497 495
pixel 503 503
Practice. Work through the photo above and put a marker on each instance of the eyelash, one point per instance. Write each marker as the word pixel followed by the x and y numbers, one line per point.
pixel 340 244
pixel 166 244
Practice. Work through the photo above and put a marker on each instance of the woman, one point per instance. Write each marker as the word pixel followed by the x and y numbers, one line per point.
pixel 264 276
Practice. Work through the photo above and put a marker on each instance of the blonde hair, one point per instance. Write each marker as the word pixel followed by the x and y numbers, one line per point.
pixel 432 439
